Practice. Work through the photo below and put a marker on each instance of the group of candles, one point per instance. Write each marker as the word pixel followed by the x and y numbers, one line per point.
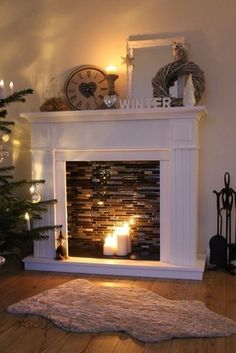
pixel 119 242
pixel 2 89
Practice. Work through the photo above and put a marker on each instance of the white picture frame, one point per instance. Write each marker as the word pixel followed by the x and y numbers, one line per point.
pixel 145 56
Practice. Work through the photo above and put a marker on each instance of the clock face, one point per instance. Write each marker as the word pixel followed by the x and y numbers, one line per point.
pixel 86 87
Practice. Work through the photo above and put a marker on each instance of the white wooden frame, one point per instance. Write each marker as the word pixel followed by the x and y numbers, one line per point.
pixel 133 43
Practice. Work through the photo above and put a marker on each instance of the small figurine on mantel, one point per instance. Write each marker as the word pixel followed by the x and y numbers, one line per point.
pixel 179 52
pixel 61 250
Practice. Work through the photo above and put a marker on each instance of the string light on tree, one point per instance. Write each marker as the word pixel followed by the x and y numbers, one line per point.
pixel 5 137
pixel 27 218
pixel 2 89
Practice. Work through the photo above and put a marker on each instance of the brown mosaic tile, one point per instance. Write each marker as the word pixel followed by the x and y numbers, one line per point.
pixel 101 195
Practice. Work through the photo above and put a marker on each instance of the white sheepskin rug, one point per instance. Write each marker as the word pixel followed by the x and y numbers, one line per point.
pixel 82 306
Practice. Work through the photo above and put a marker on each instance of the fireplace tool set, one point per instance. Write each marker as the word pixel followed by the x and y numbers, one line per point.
pixel 223 244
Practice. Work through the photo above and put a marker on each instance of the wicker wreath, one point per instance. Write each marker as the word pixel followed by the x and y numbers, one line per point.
pixel 166 76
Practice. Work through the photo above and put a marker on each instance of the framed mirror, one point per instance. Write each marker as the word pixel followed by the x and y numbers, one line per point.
pixel 145 56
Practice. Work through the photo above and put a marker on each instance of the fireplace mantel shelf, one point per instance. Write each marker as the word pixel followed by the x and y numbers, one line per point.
pixel 115 114
pixel 167 135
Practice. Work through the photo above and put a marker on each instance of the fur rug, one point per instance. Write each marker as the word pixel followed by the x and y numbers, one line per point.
pixel 82 306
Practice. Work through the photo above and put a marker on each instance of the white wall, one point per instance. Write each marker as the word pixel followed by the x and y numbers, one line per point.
pixel 46 38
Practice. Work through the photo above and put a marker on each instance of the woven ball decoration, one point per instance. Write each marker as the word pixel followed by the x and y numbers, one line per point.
pixel 166 76
pixel 54 104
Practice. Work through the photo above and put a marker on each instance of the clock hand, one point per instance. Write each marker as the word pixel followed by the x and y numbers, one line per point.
pixel 91 93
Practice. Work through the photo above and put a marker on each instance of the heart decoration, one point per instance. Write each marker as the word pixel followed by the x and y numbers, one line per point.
pixel 109 100
pixel 87 89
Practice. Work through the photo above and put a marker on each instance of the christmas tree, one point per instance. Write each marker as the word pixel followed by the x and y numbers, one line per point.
pixel 19 216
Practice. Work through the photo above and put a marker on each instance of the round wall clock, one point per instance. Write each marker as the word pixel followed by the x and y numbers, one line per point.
pixel 86 87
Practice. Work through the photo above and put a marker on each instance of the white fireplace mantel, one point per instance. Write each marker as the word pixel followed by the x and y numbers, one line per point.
pixel 169 135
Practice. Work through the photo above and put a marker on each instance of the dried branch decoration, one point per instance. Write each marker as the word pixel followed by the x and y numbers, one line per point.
pixel 170 72
pixel 128 60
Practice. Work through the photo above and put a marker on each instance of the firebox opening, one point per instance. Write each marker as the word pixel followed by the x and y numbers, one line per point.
pixel 113 209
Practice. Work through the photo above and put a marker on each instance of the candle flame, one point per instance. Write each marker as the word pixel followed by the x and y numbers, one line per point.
pixel 110 240
pixel 123 230
pixel 111 69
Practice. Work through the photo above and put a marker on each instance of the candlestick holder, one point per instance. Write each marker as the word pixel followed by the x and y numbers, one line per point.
pixel 110 99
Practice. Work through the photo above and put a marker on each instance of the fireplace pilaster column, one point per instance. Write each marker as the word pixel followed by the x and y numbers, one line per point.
pixel 43 168
pixel 184 191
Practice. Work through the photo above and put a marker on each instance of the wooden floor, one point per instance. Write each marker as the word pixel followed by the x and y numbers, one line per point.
pixel 36 335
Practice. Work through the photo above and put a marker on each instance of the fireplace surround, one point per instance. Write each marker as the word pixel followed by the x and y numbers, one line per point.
pixel 169 135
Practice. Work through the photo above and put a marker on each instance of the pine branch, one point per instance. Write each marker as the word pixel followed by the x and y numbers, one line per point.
pixel 8 187
pixel 5 129
pixel 4 179
pixel 41 231
pixel 36 182
pixel 3 113
pixel 16 97
pixel 4 169
pixel 6 123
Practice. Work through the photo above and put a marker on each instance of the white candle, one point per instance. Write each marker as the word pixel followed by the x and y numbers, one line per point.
pixel 109 246
pixel 129 245
pixel 1 89
pixel 122 245
pixel 123 240
pixel 11 87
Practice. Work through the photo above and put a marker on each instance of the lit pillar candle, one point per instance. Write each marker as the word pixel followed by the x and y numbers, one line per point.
pixel 1 89
pixel 122 245
pixel 122 234
pixel 109 247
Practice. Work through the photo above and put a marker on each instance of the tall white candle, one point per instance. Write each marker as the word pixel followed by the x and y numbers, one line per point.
pixel 123 240
pixel 11 87
pixel 122 245
pixel 129 245
pixel 2 89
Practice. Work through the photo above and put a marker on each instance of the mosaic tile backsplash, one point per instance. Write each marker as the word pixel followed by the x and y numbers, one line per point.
pixel 102 195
